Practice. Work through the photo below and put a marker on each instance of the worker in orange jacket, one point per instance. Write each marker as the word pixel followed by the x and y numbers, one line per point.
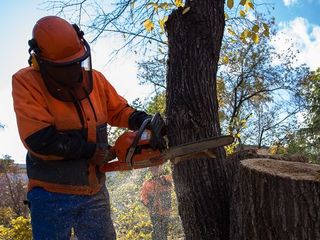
pixel 156 196
pixel 62 109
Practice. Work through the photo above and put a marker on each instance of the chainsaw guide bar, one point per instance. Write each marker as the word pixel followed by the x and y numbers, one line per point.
pixel 205 147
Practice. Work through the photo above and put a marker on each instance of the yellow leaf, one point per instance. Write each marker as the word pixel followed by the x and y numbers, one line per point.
pixel 178 3
pixel 162 22
pixel 231 31
pixel 230 4
pixel 238 135
pixel 243 2
pixel 225 60
pixel 242 13
pixel 249 5
pixel 164 6
pixel 186 10
pixel 255 37
pixel 246 33
pixel 266 33
pixel 155 6
pixel 255 28
pixel 148 24
pixel 226 16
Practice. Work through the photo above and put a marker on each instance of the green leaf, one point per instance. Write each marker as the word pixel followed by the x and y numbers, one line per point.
pixel 230 3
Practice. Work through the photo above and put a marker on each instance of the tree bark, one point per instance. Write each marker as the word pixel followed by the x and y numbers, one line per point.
pixel 278 200
pixel 202 188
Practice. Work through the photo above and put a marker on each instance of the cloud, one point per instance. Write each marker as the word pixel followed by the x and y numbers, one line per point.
pixel 288 3
pixel 302 37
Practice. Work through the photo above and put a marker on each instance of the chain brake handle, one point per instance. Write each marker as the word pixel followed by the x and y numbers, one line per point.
pixel 129 156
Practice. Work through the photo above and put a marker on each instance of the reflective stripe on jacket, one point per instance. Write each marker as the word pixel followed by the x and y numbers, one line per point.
pixel 59 145
pixel 156 195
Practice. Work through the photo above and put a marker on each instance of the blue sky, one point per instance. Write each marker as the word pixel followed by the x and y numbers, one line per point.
pixel 290 9
pixel 298 20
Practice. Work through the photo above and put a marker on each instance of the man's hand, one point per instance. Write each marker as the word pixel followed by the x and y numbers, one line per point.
pixel 158 130
pixel 103 155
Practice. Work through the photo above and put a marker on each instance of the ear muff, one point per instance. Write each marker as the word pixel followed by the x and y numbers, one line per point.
pixel 33 51
pixel 34 63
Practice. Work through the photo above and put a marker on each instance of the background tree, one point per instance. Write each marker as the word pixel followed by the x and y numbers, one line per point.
pixel 255 80
pixel 14 223
pixel 13 186
pixel 306 140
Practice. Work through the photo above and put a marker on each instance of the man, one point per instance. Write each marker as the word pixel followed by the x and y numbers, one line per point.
pixel 156 196
pixel 62 108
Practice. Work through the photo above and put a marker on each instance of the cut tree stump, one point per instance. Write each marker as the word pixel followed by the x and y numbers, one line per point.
pixel 278 200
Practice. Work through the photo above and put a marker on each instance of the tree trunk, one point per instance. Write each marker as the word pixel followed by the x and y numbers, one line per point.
pixel 194 39
pixel 278 200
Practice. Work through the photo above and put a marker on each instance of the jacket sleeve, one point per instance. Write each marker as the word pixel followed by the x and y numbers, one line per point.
pixel 36 125
pixel 117 107
pixel 70 145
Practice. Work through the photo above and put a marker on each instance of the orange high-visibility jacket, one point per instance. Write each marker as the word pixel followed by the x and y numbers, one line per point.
pixel 156 195
pixel 60 144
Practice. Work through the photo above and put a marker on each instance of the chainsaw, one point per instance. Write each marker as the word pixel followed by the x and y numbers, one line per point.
pixel 132 149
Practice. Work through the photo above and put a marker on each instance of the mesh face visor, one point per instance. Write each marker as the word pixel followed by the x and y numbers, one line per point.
pixel 68 81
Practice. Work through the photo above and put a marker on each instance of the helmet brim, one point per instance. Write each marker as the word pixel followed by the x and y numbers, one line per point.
pixel 77 57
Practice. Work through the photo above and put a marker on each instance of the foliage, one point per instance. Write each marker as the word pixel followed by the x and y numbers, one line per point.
pixel 243 24
pixel 13 186
pixel 306 140
pixel 19 229
pixel 157 104
pixel 310 93
pixel 130 217
pixel 302 142
pixel 6 215
pixel 258 87
pixel 153 71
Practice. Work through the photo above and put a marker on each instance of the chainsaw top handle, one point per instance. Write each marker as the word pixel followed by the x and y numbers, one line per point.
pixel 136 141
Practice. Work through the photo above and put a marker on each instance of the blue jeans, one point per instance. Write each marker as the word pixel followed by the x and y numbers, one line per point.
pixel 54 214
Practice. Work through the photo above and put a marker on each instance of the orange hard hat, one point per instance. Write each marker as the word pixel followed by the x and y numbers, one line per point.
pixel 58 41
